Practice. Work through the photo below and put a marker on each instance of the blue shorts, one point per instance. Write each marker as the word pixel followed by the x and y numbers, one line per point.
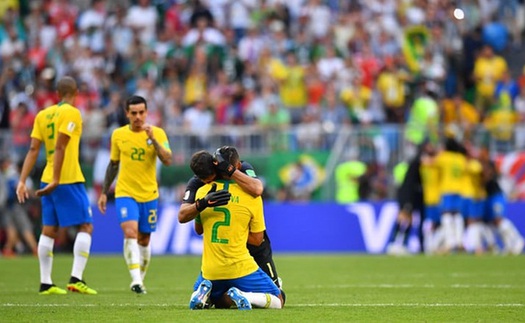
pixel 145 213
pixel 451 203
pixel 494 207
pixel 432 213
pixel 256 282
pixel 473 209
pixel 67 205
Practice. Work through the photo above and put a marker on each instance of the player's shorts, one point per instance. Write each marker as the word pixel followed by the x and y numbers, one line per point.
pixel 145 213
pixel 67 205
pixel 256 282
pixel 494 207
pixel 473 209
pixel 451 203
pixel 432 213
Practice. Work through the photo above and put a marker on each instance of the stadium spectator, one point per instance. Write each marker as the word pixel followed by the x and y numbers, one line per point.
pixel 134 152
pixel 15 217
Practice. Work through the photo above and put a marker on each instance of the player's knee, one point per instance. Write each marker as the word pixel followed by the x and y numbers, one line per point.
pixel 86 227
pixel 143 239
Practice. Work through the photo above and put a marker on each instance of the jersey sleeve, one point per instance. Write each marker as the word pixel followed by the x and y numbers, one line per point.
pixel 115 150
pixel 191 190
pixel 35 133
pixel 257 222
pixel 247 168
pixel 71 122
pixel 162 138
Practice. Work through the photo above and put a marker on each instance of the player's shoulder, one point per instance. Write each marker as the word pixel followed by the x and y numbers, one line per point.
pixel 121 130
pixel 157 129
pixel 248 169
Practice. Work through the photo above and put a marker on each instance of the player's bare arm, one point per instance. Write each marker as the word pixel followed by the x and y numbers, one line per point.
pixel 256 238
pixel 163 154
pixel 22 192
pixel 213 198
pixel 187 211
pixel 111 174
pixel 250 185
pixel 58 161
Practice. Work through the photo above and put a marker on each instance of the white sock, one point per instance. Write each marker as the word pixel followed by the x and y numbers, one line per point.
pixel 438 239
pixel 145 258
pixel 508 233
pixel 473 237
pixel 262 300
pixel 447 224
pixel 488 236
pixel 459 228
pixel 81 250
pixel 131 254
pixel 428 233
pixel 45 258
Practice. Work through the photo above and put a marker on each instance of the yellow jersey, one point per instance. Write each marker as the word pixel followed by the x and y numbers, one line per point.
pixel 225 233
pixel 66 119
pixel 488 72
pixel 430 181
pixel 452 171
pixel 474 188
pixel 137 177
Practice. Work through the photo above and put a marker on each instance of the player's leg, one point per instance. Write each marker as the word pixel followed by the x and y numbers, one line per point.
pixel 401 230
pixel 128 212
pixel 263 256
pixel 147 225
pixel 46 243
pixel 512 239
pixel 257 290
pixel 447 222
pixel 73 210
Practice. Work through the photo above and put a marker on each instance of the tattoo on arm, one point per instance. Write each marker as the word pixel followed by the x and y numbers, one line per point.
pixel 164 155
pixel 111 173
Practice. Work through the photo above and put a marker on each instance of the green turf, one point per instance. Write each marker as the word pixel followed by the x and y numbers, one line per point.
pixel 319 288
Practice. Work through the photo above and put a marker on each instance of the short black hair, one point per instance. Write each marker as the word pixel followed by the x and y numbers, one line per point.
pixel 201 164
pixel 230 153
pixel 136 99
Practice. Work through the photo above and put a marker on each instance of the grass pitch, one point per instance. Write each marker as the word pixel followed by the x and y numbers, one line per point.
pixel 319 288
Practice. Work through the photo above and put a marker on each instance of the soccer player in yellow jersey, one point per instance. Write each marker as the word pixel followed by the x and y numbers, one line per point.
pixel 474 197
pixel 64 198
pixel 431 199
pixel 229 275
pixel 134 151
pixel 452 165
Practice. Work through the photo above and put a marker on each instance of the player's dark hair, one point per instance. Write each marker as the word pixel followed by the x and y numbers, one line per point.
pixel 230 154
pixel 136 99
pixel 201 164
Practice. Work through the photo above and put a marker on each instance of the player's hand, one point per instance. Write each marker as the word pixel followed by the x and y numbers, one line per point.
pixel 149 130
pixel 21 192
pixel 102 202
pixel 213 198
pixel 222 164
pixel 47 189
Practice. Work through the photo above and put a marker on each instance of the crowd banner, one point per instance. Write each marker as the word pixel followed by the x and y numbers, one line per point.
pixel 293 228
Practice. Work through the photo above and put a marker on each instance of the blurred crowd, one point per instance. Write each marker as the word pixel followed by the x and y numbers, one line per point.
pixel 317 65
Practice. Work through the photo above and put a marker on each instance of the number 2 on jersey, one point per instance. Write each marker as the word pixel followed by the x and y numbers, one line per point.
pixel 215 230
